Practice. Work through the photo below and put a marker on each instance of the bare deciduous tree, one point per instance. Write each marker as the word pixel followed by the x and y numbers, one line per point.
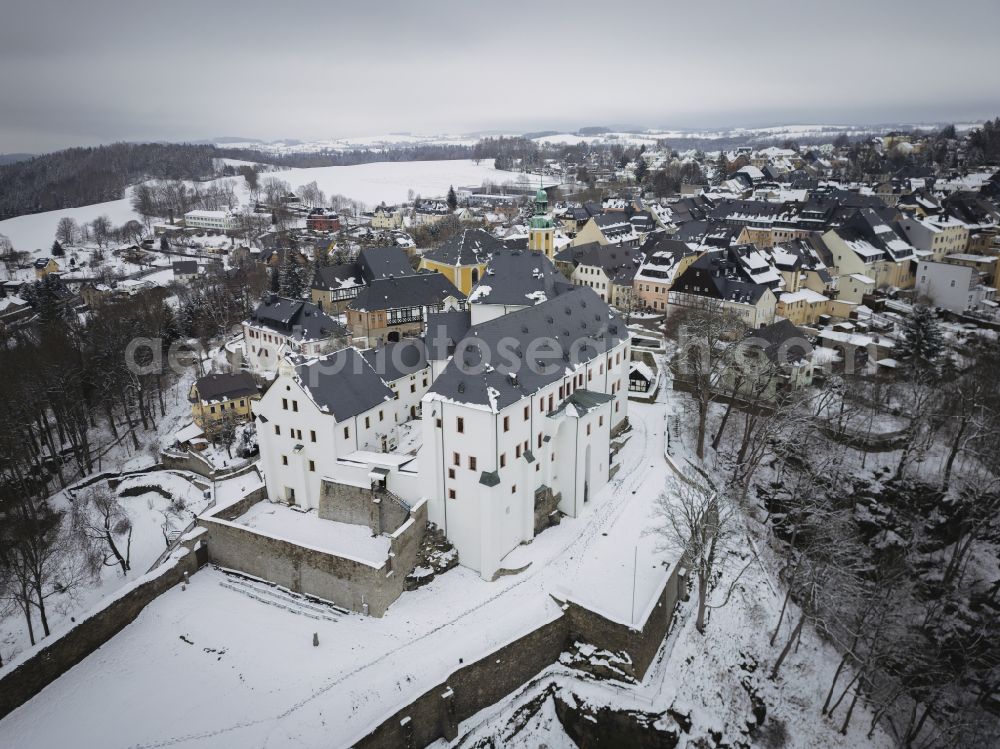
pixel 697 521
pixel 104 528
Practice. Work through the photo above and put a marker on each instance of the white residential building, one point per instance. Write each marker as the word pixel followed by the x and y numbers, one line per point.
pixel 218 220
pixel 281 326
pixel 939 235
pixel 950 285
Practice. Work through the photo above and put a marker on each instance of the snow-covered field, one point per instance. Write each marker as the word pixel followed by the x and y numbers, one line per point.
pixel 392 181
pixel 772 133
pixel 36 231
pixel 370 184
pixel 386 140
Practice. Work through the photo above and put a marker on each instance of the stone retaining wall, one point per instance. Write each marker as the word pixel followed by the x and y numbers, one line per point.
pixel 31 672
pixel 640 644
pixel 437 712
pixel 346 582
pixel 376 509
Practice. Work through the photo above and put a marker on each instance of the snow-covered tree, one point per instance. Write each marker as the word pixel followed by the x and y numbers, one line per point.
pixel 921 341
pixel 696 520
pixel 104 528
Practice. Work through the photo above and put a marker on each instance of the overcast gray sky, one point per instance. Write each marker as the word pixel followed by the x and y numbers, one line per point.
pixel 95 71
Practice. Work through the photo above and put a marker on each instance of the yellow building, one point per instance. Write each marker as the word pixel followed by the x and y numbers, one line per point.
pixel 222 397
pixel 44 266
pixel 463 258
pixel 387 218
pixel 802 307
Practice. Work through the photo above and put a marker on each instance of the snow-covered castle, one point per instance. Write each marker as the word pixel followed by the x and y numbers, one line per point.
pixel 498 416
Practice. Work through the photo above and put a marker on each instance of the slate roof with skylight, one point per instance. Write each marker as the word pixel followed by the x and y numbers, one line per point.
pixel 577 322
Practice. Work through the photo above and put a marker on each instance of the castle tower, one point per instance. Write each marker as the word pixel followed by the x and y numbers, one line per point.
pixel 541 233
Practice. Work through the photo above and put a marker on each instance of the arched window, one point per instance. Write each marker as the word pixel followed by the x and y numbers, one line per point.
pixel 475 275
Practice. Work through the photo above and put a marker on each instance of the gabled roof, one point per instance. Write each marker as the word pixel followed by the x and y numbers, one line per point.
pixel 445 329
pixel 399 359
pixel 343 384
pixel 715 276
pixel 618 263
pixel 519 277
pixel 383 262
pixel 576 325
pixel 418 290
pixel 783 343
pixel 471 247
pixel 295 318
pixel 224 386
pixel 339 276
pixel 580 402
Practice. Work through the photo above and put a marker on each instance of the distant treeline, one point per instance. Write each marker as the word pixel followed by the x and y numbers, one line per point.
pixel 331 157
pixel 80 176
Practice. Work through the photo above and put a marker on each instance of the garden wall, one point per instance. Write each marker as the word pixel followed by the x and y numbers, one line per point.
pixel 35 669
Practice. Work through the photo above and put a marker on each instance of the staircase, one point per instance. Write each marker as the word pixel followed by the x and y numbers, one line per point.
pixel 282 598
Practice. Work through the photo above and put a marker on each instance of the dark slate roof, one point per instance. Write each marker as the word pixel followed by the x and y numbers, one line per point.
pixel 970 207
pixel 582 400
pixel 445 329
pixel 471 247
pixel 418 290
pixel 226 386
pixel 383 262
pixel 291 317
pixel 783 342
pixel 715 276
pixel 709 233
pixel 571 253
pixel 395 360
pixel 613 224
pixel 620 264
pixel 643 221
pixel 516 243
pixel 187 267
pixel 573 328
pixel 519 277
pixel 742 210
pixel 667 245
pixel 337 276
pixel 343 383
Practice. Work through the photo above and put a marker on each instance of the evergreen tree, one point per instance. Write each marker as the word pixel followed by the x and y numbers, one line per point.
pixel 452 199
pixel 290 277
pixel 274 283
pixel 722 166
pixel 921 341
pixel 57 249
pixel 640 170
pixel 164 244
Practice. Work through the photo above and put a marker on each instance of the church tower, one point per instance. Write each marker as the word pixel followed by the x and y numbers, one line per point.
pixel 541 233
